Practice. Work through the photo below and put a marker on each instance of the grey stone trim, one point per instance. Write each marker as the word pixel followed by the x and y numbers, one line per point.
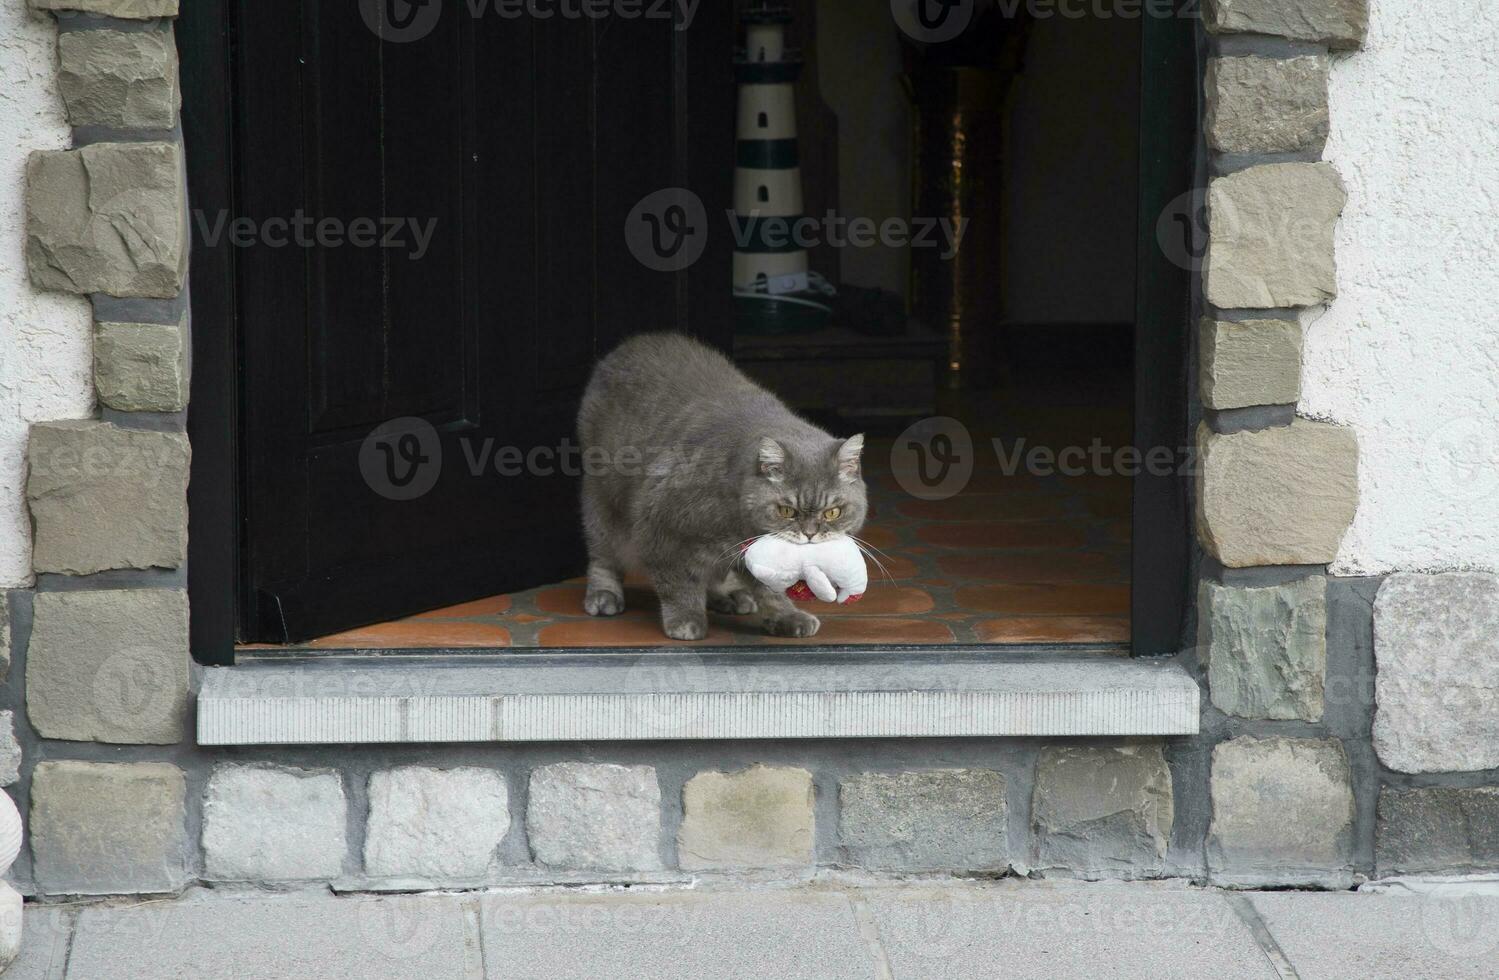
pixel 1103 811
pixel 108 829
pixel 1283 813
pixel 109 666
pixel 760 817
pixel 1280 496
pixel 74 198
pixel 274 823
pixel 595 815
pixel 105 497
pixel 926 820
pixel 344 703
pixel 1270 236
pixel 1267 105
pixel 1336 23
pixel 141 367
pixel 118 79
pixel 1249 363
pixel 1265 648
pixel 1348 700
pixel 435 824
pixel 1438 830
pixel 1437 649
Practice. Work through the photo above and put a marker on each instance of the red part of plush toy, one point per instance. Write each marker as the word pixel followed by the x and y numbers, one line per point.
pixel 802 592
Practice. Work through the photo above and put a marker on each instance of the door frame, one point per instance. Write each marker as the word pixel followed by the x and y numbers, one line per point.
pixel 1166 300
pixel 204 44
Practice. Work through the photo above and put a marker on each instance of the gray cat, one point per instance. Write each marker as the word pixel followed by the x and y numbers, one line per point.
pixel 686 460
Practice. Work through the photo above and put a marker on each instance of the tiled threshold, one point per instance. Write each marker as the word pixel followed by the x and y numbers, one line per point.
pixel 705 694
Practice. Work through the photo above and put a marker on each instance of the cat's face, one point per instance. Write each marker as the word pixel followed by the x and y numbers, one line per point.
pixel 807 493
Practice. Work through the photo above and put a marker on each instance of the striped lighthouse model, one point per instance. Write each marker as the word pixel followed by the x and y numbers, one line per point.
pixel 774 291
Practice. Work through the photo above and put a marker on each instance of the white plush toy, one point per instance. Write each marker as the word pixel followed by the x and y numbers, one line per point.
pixel 832 570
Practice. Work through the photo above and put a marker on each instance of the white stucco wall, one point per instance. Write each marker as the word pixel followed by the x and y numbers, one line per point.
pixel 44 338
pixel 1408 354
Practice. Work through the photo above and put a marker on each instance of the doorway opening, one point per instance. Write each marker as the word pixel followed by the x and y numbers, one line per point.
pixel 992 325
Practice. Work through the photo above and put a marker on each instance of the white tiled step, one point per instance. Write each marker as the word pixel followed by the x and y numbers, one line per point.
pixel 510 698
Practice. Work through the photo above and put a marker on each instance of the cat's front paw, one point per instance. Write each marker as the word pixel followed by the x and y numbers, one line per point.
pixel 794 623
pixel 736 603
pixel 602 602
pixel 686 627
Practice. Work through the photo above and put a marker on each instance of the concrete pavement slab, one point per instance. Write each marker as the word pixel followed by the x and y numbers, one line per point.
pixel 44 944
pixel 1063 930
pixel 275 938
pixel 834 928
pixel 1373 937
pixel 783 933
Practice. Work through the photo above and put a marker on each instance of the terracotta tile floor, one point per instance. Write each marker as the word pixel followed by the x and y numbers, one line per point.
pixel 1012 559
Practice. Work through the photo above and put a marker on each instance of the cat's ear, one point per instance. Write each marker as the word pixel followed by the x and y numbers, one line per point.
pixel 772 460
pixel 849 454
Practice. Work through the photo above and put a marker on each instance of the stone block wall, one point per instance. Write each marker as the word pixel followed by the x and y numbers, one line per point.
pixel 1353 723
pixel 99 692
pixel 398 818
pixel 1275 493
pixel 1350 729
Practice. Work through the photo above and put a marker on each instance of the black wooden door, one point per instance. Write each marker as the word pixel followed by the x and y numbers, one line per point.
pixel 407 407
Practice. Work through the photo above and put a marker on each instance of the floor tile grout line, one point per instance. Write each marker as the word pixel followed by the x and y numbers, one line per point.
pixel 1259 929
pixel 73 918
pixel 869 931
pixel 472 911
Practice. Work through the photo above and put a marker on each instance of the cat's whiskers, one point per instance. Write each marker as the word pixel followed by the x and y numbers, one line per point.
pixel 866 544
pixel 733 551
pixel 877 563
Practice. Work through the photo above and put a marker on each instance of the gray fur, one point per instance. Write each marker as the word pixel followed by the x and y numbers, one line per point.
pixel 685 460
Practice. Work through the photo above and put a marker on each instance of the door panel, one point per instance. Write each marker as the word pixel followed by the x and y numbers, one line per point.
pixel 522 145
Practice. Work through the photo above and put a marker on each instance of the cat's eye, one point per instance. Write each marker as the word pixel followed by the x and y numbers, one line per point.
pixel 832 513
pixel 787 513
